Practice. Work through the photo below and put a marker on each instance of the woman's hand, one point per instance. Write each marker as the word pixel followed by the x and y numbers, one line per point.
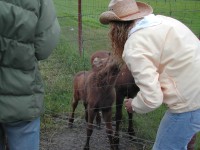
pixel 127 104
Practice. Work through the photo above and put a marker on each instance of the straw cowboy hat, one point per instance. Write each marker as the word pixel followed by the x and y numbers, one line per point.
pixel 125 10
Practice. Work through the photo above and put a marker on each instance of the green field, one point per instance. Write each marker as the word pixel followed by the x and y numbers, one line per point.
pixel 59 69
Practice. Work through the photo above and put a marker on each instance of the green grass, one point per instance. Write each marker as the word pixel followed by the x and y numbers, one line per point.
pixel 59 69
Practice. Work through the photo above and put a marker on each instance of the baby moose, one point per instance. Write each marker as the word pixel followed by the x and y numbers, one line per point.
pixel 99 91
pixel 79 84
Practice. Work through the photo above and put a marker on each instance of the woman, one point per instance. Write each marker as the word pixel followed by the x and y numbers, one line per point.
pixel 163 56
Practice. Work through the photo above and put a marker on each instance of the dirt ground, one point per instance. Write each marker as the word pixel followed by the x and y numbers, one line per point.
pixel 65 138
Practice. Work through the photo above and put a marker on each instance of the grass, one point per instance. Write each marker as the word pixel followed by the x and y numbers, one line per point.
pixel 59 69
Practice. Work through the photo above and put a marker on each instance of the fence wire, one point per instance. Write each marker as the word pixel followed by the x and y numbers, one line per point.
pixel 66 61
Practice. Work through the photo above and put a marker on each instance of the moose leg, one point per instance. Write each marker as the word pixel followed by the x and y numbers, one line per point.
pixel 191 144
pixel 71 118
pixel 86 112
pixel 118 116
pixel 131 131
pixel 98 119
pixel 118 119
pixel 91 116
pixel 107 116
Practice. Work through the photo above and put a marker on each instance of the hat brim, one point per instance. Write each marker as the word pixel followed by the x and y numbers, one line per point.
pixel 108 16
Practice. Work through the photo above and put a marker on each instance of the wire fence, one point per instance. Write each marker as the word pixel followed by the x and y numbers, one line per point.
pixel 83 34
pixel 90 31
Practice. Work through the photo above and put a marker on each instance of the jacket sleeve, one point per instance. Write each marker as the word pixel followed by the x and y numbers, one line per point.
pixel 47 31
pixel 141 60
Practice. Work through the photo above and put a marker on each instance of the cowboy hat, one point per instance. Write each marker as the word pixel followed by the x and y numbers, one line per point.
pixel 125 10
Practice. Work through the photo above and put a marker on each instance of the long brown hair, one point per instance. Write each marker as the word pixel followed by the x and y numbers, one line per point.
pixel 118 35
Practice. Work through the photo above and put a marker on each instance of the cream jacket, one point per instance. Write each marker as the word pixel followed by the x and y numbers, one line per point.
pixel 165 61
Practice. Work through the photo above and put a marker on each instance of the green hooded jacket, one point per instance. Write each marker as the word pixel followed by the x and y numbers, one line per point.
pixel 29 31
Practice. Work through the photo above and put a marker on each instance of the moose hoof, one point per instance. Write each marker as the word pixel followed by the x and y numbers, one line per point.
pixel 70 125
pixel 86 148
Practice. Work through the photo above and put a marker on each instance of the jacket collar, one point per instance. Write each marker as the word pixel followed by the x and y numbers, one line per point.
pixel 147 21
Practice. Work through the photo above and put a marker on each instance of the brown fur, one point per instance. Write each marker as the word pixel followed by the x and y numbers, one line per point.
pixel 125 87
pixel 79 93
pixel 191 144
pixel 79 84
pixel 99 58
pixel 95 84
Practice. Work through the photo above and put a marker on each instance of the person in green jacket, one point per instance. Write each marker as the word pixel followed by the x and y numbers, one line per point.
pixel 29 31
